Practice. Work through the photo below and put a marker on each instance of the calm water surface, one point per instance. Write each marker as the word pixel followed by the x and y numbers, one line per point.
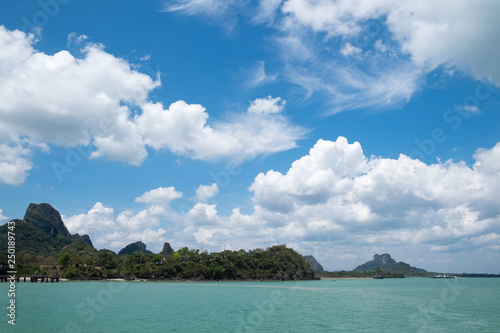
pixel 389 305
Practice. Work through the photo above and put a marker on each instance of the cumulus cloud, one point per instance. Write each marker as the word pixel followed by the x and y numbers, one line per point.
pixel 106 229
pixel 183 129
pixel 203 214
pixel 205 192
pixel 160 196
pixel 101 101
pixel 341 205
pixel 97 219
pixel 15 163
pixel 143 219
pixel 335 203
pixel 63 100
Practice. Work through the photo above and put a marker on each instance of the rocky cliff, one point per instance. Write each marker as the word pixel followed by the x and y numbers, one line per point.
pixel 167 249
pixel 45 217
pixel 382 261
pixel 133 247
pixel 315 265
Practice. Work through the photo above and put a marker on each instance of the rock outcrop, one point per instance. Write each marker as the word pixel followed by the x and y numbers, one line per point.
pixel 83 238
pixel 167 249
pixel 382 261
pixel 46 217
pixel 133 247
pixel 315 265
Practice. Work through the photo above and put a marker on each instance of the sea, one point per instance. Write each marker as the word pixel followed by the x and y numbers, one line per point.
pixel 364 305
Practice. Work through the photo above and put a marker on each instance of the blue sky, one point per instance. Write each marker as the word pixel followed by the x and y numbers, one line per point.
pixel 341 128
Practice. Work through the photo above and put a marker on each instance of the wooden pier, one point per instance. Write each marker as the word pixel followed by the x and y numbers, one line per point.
pixel 31 278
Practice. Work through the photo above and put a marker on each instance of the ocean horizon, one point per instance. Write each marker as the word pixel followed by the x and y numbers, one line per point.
pixel 389 305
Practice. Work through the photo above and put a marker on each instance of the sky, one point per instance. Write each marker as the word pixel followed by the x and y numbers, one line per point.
pixel 339 128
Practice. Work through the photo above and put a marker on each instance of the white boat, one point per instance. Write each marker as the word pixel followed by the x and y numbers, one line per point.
pixel 444 276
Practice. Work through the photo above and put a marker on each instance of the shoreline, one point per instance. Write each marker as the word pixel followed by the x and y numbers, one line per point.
pixel 345 278
pixel 178 280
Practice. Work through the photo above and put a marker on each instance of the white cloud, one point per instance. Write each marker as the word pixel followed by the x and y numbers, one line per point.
pixel 337 204
pixel 160 196
pixel 205 192
pixel 73 38
pixel 183 129
pixel 267 105
pixel 341 205
pixel 349 50
pixel 148 236
pixel 101 101
pixel 114 232
pixel 3 218
pixel 396 42
pixel 257 76
pixel 66 101
pixel 450 33
pixel 488 161
pixel 107 231
pixel 267 11
pixel 14 163
pixel 203 214
pixel 454 35
pixel 98 219
pixel 222 12
pixel 143 219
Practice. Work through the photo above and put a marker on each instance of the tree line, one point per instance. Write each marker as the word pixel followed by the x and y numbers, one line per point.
pixel 81 261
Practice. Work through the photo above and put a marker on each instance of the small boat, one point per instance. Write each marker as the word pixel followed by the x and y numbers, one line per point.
pixel 444 276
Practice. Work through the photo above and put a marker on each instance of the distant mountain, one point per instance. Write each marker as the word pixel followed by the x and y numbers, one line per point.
pixel 383 261
pixel 131 248
pixel 315 265
pixel 387 264
pixel 41 232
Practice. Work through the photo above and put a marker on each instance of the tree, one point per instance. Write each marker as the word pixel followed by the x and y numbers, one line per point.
pixel 64 259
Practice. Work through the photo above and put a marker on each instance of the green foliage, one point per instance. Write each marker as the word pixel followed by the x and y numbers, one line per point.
pixel 391 266
pixel 64 259
pixel 32 239
pixel 3 264
pixel 106 259
pixel 41 253
pixel 359 274
pixel 70 273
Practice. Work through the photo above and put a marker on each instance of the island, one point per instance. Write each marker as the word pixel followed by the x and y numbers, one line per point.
pixel 45 247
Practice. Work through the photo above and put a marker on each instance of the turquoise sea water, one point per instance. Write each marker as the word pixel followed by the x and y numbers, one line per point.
pixel 389 305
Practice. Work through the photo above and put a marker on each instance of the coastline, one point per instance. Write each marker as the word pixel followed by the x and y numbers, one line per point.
pixel 345 278
pixel 179 280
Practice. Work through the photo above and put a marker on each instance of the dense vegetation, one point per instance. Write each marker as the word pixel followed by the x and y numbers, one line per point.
pixel 44 246
pixel 81 261
pixel 33 240
pixel 390 267
pixel 358 274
